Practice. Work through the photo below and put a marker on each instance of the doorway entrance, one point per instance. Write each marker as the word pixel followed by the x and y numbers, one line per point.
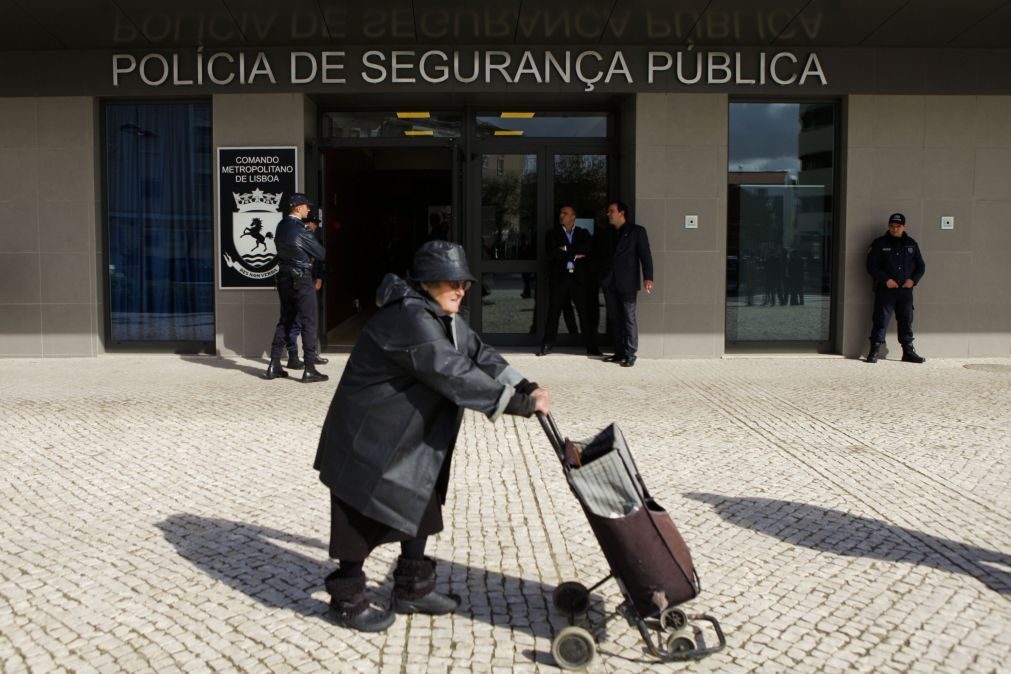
pixel 493 182
pixel 379 205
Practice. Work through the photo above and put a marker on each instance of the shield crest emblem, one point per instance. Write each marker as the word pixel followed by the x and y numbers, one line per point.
pixel 253 236
pixel 253 226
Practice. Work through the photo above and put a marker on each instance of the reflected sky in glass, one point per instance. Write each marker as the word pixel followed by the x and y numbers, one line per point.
pixel 764 137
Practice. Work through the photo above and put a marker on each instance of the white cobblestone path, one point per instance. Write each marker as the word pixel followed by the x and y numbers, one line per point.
pixel 161 514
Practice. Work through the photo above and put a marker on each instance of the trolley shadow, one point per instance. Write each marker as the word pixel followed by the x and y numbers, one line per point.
pixel 265 564
pixel 850 535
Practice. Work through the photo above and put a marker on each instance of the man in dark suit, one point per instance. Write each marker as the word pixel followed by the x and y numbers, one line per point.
pixel 568 247
pixel 620 280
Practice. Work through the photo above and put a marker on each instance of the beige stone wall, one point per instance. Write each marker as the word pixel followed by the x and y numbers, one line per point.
pixel 50 272
pixel 933 156
pixel 245 319
pixel 681 169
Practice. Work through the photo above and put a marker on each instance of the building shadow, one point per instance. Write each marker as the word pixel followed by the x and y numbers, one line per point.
pixel 850 535
pixel 226 364
pixel 283 570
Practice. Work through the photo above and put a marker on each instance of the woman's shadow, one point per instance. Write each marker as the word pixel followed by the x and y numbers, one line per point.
pixel 841 533
pixel 267 565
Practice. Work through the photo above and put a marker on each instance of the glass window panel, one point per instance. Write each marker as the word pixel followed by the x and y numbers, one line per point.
pixel 509 207
pixel 390 125
pixel 160 221
pixel 544 125
pixel 780 221
pixel 508 302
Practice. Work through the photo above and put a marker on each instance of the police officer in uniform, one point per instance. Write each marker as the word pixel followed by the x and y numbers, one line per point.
pixel 297 250
pixel 896 265
pixel 312 222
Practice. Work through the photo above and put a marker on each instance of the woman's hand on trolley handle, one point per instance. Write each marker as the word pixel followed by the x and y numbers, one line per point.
pixel 542 401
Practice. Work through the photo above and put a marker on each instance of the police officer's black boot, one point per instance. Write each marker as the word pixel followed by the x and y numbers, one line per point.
pixel 349 607
pixel 414 588
pixel 872 355
pixel 909 355
pixel 274 369
pixel 311 374
pixel 293 362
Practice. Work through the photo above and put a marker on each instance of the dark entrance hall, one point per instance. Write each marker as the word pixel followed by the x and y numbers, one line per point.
pixel 379 205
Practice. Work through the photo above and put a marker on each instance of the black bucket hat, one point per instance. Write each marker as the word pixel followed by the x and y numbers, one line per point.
pixel 440 261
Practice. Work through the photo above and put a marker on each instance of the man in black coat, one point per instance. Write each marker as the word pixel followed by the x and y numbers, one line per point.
pixel 896 265
pixel 620 279
pixel 568 248
pixel 297 251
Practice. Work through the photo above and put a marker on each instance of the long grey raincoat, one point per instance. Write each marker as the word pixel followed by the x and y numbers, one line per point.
pixel 389 433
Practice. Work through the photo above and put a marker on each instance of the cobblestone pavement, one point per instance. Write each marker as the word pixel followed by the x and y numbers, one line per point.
pixel 161 514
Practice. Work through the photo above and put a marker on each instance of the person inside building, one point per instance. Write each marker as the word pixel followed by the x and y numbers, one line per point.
pixel 312 222
pixel 896 265
pixel 628 256
pixel 386 445
pixel 297 251
pixel 568 248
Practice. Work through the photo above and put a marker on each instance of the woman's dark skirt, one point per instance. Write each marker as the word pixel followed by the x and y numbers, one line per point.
pixel 353 535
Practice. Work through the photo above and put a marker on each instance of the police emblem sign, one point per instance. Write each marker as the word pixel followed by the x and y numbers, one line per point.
pixel 253 183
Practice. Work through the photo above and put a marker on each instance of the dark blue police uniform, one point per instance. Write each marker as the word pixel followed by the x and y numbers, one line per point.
pixel 297 249
pixel 899 259
pixel 297 328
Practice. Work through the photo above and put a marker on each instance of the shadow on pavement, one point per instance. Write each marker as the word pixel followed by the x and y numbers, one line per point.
pixel 260 562
pixel 854 536
pixel 226 364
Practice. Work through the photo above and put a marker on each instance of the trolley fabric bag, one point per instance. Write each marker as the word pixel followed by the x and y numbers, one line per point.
pixel 643 547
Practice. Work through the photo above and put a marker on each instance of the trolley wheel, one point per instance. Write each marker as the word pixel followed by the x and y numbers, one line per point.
pixel 573 648
pixel 673 619
pixel 571 597
pixel 680 642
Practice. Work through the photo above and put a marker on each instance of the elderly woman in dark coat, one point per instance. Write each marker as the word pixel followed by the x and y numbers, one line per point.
pixel 389 433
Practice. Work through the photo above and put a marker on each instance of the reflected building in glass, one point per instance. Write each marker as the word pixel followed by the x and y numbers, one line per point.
pixel 779 226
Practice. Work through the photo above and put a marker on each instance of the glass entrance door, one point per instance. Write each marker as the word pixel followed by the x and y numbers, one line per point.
pixel 511 210
pixel 518 197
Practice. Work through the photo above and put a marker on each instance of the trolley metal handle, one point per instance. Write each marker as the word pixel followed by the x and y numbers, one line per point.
pixel 554 435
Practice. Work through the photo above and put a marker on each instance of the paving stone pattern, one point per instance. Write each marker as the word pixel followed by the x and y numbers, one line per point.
pixel 161 514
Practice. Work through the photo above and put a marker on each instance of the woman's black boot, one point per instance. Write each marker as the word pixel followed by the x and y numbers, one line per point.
pixel 349 606
pixel 414 588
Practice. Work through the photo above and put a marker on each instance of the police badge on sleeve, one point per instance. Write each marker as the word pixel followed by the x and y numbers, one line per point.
pixel 253 225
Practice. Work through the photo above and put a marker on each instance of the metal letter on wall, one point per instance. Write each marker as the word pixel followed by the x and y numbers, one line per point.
pixel 252 184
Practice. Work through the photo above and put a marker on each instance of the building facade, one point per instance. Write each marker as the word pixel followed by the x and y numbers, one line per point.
pixel 144 146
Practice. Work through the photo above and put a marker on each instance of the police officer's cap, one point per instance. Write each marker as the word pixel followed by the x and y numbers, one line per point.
pixel 298 199
pixel 440 261
pixel 897 217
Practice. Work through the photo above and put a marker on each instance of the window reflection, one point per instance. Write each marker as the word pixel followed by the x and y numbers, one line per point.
pixel 780 221
pixel 544 125
pixel 509 207
pixel 390 125
pixel 508 302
